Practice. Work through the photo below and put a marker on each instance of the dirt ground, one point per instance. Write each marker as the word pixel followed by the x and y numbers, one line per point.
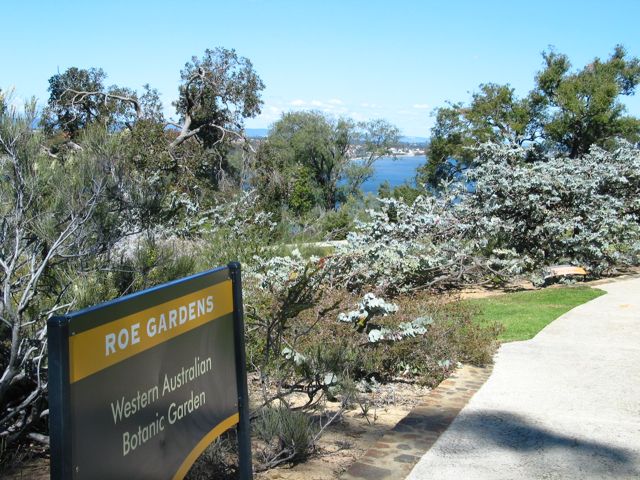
pixel 36 468
pixel 349 438
pixel 523 285
pixel 342 443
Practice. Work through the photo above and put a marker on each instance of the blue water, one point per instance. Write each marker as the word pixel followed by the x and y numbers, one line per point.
pixel 396 171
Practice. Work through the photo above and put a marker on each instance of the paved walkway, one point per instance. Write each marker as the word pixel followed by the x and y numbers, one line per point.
pixel 564 405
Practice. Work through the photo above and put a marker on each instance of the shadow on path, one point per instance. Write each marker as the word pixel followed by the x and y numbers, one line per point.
pixel 541 446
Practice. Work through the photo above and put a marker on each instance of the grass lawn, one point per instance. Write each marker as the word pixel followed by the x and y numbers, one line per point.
pixel 524 314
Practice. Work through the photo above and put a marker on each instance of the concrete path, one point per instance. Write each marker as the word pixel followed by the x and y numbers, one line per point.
pixel 564 405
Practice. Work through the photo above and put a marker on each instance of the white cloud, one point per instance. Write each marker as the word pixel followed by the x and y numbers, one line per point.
pixel 270 113
pixel 369 105
pixel 334 105
pixel 358 117
pixel 421 106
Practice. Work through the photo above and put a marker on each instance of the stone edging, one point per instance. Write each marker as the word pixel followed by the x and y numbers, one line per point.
pixel 397 452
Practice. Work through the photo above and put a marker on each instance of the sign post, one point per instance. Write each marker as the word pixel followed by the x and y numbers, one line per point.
pixel 244 429
pixel 141 385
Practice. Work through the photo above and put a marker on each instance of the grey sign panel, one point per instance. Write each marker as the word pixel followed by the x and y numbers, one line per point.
pixel 141 385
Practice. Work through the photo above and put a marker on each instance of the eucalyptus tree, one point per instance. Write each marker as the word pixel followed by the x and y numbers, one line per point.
pixel 306 160
pixel 584 107
pixel 78 98
pixel 565 114
pixel 189 156
pixel 217 92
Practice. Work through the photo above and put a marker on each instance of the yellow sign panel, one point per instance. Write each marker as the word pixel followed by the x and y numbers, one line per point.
pixel 96 349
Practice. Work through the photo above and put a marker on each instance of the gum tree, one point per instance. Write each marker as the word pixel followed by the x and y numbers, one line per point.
pixel 308 154
pixel 564 115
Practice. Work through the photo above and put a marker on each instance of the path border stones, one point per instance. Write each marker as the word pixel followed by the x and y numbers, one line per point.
pixel 397 452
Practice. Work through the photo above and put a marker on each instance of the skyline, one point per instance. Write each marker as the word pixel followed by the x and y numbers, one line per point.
pixel 364 60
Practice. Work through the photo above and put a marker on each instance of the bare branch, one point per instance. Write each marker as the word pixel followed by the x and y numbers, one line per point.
pixel 80 95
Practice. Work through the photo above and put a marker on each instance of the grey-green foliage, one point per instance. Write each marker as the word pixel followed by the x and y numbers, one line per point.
pixel 405 330
pixel 218 91
pixel 369 307
pixel 79 98
pixel 584 210
pixel 55 216
pixel 184 166
pixel 405 246
pixel 505 217
pixel 288 436
pixel 234 230
pixel 295 357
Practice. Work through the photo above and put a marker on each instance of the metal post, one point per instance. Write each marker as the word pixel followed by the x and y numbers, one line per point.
pixel 244 428
pixel 59 398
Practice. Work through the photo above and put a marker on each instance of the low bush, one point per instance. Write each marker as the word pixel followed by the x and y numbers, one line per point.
pixel 300 342
pixel 141 263
pixel 287 436
pixel 429 349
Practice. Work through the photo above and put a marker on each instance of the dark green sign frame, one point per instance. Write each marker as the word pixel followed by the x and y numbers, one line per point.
pixel 141 385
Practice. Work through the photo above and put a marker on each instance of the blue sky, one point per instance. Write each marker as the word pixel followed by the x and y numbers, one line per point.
pixel 365 59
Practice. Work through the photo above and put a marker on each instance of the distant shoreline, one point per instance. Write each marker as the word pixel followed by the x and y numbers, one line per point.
pixel 398 155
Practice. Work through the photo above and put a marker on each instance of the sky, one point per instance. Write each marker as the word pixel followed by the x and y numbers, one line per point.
pixel 365 59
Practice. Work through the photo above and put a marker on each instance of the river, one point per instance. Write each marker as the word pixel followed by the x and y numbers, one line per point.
pixel 396 171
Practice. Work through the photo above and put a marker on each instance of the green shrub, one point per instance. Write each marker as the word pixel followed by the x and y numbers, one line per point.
pixel 287 436
pixel 428 353
pixel 335 225
pixel 424 340
pixel 149 263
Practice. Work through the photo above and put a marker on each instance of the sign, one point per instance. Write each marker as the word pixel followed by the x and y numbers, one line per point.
pixel 141 385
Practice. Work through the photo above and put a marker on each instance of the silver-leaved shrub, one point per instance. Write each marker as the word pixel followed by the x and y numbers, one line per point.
pixel 582 211
pixel 503 218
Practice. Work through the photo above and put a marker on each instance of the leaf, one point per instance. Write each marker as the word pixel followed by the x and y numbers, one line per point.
pixel 375 336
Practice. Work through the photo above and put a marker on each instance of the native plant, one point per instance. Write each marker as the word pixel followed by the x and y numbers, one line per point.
pixel 505 217
pixel 583 211
pixel 281 289
pixel 287 436
pixel 566 113
pixel 44 230
pixel 419 246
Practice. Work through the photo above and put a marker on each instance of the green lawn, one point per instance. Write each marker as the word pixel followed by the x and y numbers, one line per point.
pixel 524 314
